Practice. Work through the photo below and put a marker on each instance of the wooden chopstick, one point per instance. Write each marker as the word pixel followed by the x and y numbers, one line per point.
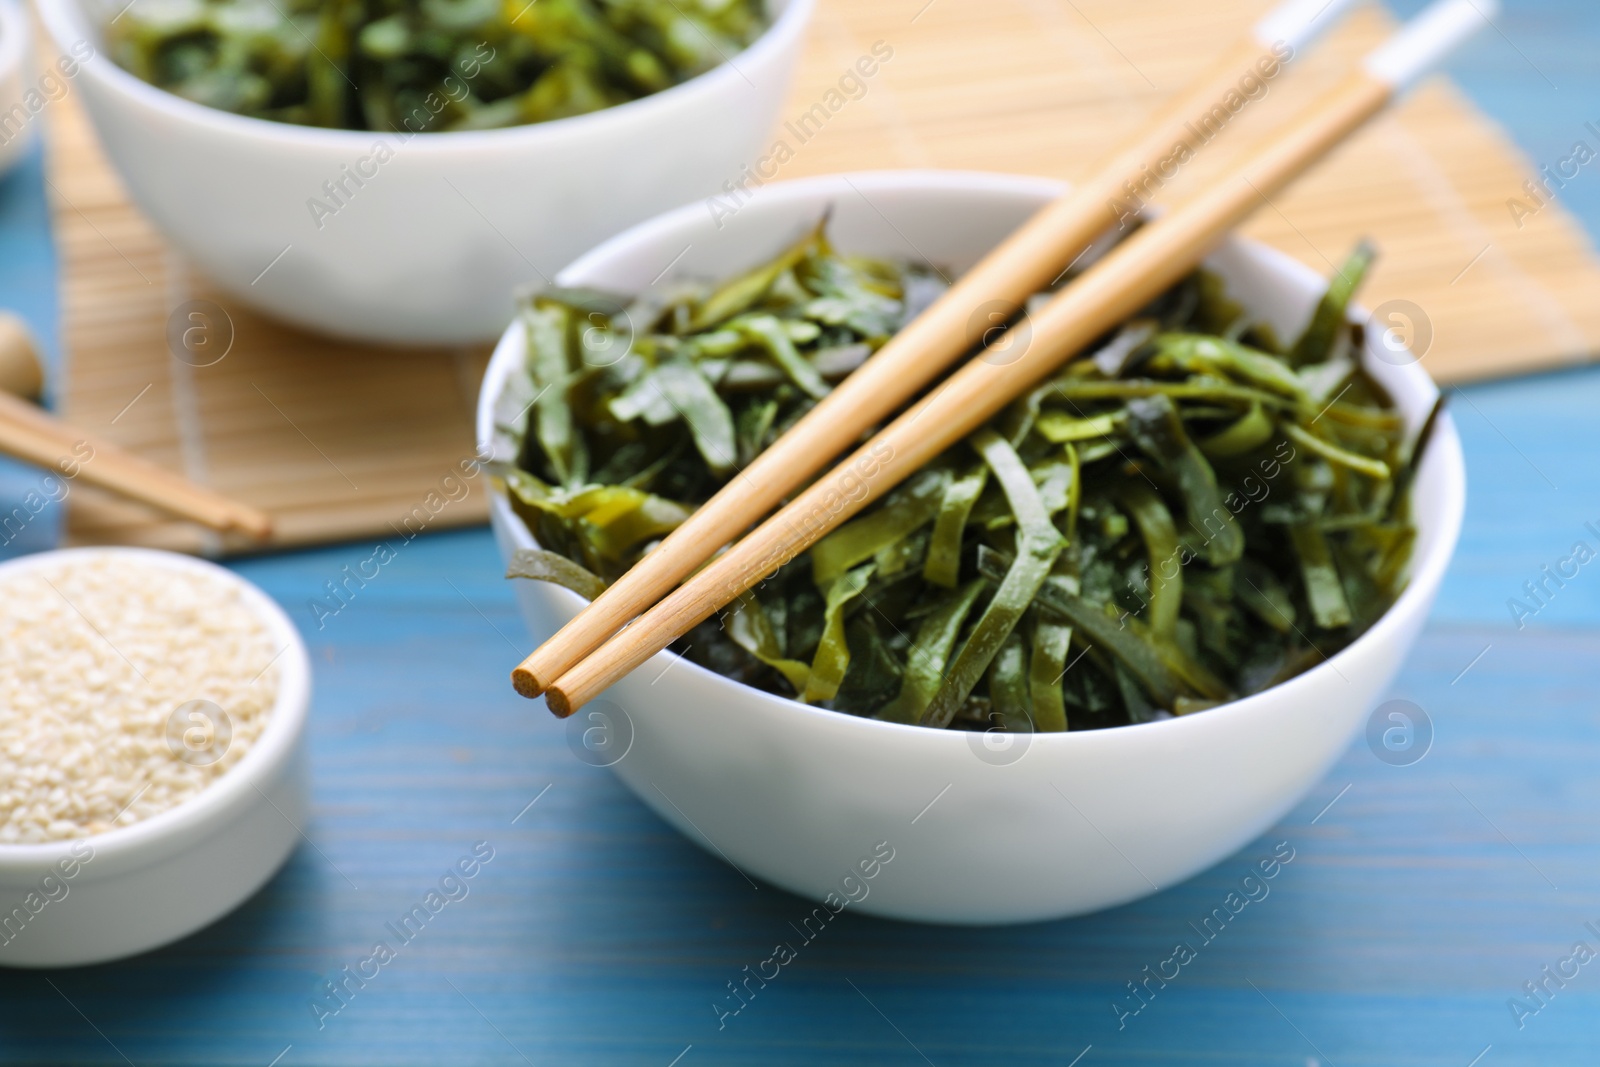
pixel 28 433
pixel 1026 262
pixel 1128 278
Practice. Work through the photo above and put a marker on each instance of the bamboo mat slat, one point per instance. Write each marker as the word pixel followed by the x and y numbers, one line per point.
pixel 348 442
pixel 1048 86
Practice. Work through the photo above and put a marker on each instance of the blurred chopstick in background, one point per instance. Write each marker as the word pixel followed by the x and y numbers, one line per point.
pixel 1126 279
pixel 989 294
pixel 28 433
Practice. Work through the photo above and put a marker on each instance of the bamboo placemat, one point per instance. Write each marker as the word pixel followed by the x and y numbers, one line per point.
pixel 345 442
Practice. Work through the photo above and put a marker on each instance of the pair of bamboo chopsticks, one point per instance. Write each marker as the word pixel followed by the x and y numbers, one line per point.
pixel 1026 262
pixel 1126 279
pixel 29 434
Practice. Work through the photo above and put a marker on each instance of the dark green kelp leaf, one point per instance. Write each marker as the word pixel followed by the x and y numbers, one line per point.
pixel 1158 429
pixel 928 654
pixel 828 666
pixel 543 566
pixel 1010 695
pixel 1038 544
pixel 746 622
pixel 1328 320
pixel 950 526
pixel 1153 531
pixel 1051 643
pixel 906 510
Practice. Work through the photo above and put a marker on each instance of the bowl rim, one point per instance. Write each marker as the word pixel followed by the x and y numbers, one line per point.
pixel 232 790
pixel 1427 570
pixel 64 18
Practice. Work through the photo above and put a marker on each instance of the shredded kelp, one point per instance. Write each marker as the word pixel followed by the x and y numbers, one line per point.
pixel 1192 512
pixel 414 66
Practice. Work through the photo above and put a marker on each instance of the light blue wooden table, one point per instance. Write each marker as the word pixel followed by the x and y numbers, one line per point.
pixel 1419 901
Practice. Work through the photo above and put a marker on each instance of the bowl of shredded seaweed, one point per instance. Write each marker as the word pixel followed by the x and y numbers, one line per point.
pixel 392 170
pixel 1251 494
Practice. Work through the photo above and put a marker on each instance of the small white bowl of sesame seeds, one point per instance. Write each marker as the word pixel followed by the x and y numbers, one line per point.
pixel 152 766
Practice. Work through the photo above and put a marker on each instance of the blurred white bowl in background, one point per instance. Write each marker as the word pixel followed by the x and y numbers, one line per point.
pixel 16 51
pixel 1047 825
pixel 433 244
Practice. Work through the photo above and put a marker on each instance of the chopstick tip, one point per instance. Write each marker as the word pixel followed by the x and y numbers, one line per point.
pixel 526 683
pixel 558 703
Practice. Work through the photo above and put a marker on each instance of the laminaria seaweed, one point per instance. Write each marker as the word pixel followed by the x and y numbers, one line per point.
pixel 1191 512
pixel 399 66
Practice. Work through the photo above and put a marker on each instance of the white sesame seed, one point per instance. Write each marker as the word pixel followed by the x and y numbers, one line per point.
pixel 98 652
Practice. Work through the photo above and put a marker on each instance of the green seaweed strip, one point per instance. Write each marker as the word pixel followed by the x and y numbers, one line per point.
pixel 1121 466
pixel 1134 700
pixel 1038 544
pixel 1159 431
pixel 608 519
pixel 754 423
pixel 1009 694
pixel 1199 353
pixel 1261 592
pixel 930 650
pixel 1130 388
pixel 549 364
pixel 327 77
pixel 1395 562
pixel 1017 484
pixel 1075 496
pixel 623 518
pixel 710 421
pixel 943 563
pixel 1058 427
pixel 1142 659
pixel 906 511
pixel 1057 482
pixel 1316 343
pixel 1191 671
pixel 544 566
pixel 1114 634
pixel 904 554
pixel 643 399
pixel 875 669
pixel 1051 642
pixel 768 332
pixel 1251 430
pixel 1324 590
pixel 1372 468
pixel 832 658
pixel 747 623
pixel 740 294
pixel 1160 535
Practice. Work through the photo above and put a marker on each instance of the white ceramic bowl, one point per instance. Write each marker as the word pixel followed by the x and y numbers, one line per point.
pixel 141 886
pixel 432 246
pixel 16 118
pixel 1055 824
